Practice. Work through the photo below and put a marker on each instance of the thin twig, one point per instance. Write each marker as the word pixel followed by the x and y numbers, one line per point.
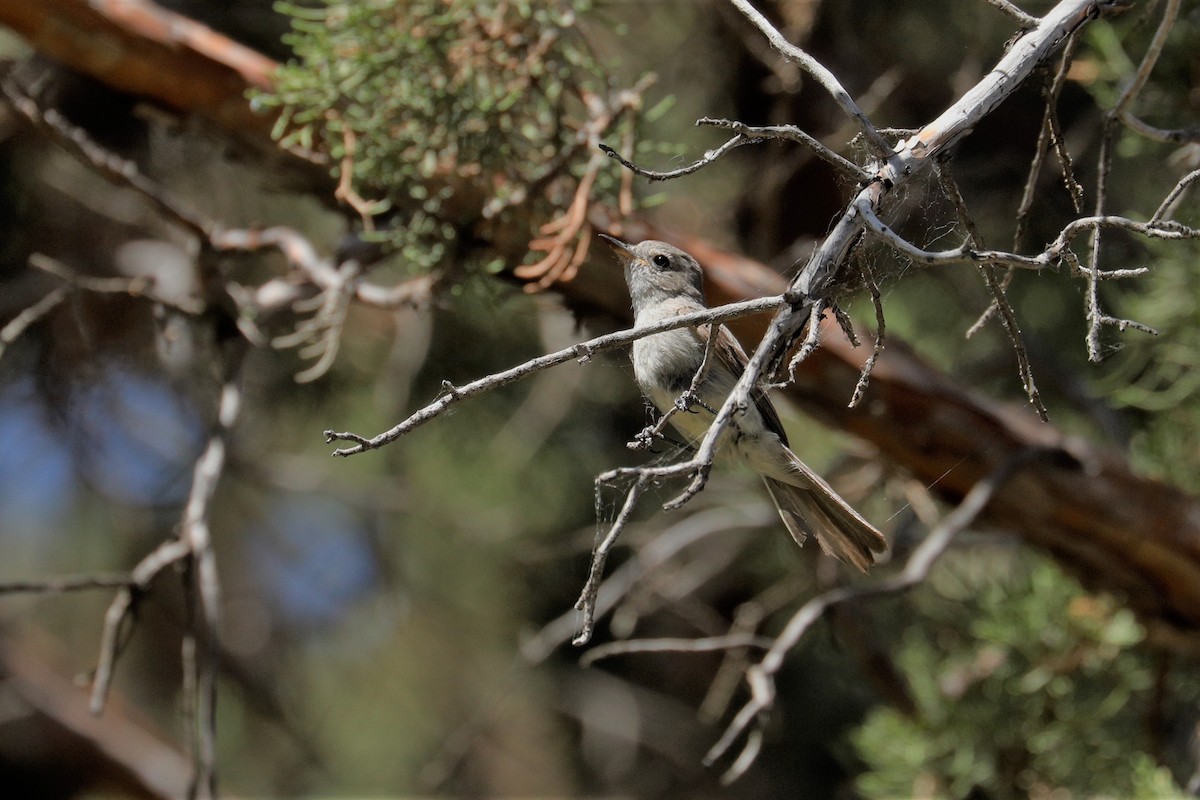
pixel 29 315
pixel 1142 75
pixel 67 583
pixel 791 133
pixel 709 644
pixel 709 157
pixel 321 334
pixel 1026 21
pixel 1172 135
pixel 586 604
pixel 1095 316
pixel 1167 207
pixel 140 286
pixel 645 561
pixel 1149 59
pixel 195 533
pixel 864 377
pixel 761 677
pixel 1049 258
pixel 1008 317
pixel 119 170
pixel 812 340
pixel 643 477
pixel 1041 149
pixel 818 72
pixel 113 633
pixel 582 351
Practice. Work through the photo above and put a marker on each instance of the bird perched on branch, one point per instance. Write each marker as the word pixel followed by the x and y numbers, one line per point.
pixel 664 282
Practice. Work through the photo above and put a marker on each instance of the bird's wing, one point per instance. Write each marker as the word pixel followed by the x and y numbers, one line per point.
pixel 730 350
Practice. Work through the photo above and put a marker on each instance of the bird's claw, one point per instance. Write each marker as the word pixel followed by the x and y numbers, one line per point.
pixel 685 401
pixel 643 440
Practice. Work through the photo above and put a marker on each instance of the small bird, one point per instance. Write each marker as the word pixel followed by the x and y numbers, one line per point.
pixel 664 281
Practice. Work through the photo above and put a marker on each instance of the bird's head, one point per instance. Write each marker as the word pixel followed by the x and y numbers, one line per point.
pixel 656 271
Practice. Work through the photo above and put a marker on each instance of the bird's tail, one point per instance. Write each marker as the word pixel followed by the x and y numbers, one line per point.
pixel 817 509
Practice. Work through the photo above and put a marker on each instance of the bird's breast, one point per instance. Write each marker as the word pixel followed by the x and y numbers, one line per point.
pixel 666 361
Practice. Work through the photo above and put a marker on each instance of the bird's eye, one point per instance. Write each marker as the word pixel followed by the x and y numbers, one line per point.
pixel 661 261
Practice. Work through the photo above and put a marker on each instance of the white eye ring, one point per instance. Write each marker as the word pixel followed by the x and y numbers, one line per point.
pixel 661 260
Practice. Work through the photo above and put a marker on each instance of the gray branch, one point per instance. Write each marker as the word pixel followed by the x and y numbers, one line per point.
pixel 582 351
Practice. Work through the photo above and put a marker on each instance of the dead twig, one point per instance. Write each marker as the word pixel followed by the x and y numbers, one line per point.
pixel 1007 315
pixel 582 352
pixel 820 73
pixel 708 644
pixel 750 721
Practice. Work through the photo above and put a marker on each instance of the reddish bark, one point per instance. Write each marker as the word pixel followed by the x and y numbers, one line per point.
pixel 137 47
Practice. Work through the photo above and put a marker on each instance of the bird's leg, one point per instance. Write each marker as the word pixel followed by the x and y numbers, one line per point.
pixel 691 395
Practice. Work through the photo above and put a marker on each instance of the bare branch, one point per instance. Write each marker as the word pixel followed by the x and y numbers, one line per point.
pixel 28 316
pixel 1049 258
pixel 193 543
pixel 116 169
pixel 1007 316
pixel 1149 59
pixel 1095 316
pixel 1171 202
pixel 1026 21
pixel 963 254
pixel 812 340
pixel 586 604
pixel 1121 108
pixel 111 639
pixel 864 377
pixel 913 155
pixel 339 283
pixel 321 334
pixel 67 583
pixel 582 351
pixel 1158 229
pixel 707 645
pixel 140 286
pixel 791 133
pixel 709 157
pixel 819 72
pixel 1052 93
pixel 656 553
pixel 1054 131
pixel 1176 135
pixel 302 256
pixel 761 677
pixel 195 534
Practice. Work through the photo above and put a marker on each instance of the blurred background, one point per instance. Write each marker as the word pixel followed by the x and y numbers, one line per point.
pixel 398 623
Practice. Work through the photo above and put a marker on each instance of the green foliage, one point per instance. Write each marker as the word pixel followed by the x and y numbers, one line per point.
pixel 449 111
pixel 1159 376
pixel 1024 685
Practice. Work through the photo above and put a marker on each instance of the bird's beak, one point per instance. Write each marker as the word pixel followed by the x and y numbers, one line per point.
pixel 623 251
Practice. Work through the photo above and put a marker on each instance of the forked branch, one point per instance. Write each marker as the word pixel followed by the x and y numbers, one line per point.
pixel 749 722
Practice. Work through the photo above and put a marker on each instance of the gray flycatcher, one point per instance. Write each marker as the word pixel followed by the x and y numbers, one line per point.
pixel 665 282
